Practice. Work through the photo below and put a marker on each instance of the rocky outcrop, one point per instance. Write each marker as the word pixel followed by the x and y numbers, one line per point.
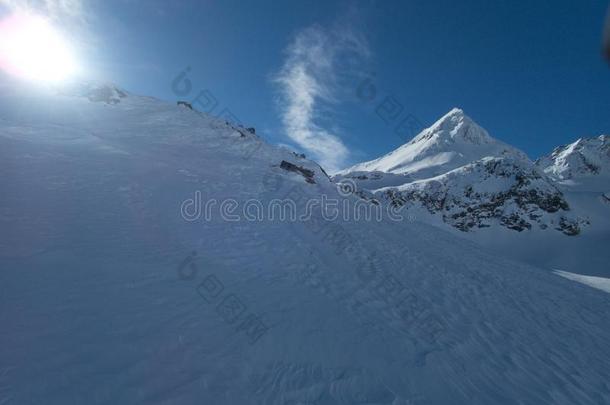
pixel 185 104
pixel 307 174
pixel 487 192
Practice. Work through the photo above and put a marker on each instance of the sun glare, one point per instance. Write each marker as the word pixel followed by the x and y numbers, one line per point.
pixel 32 49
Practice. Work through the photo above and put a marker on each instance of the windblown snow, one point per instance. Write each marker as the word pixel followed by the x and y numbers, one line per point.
pixel 111 294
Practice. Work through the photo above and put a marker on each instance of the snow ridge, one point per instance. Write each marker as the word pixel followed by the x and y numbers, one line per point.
pixel 584 158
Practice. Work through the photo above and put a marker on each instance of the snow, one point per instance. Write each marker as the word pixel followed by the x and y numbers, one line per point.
pixel 585 158
pixel 455 176
pixel 600 283
pixel 451 142
pixel 93 309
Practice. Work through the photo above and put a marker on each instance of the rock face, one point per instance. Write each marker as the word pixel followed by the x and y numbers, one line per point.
pixel 491 191
pixel 456 171
pixel 185 104
pixel 307 174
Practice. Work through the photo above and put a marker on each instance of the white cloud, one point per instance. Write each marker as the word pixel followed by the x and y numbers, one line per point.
pixel 310 83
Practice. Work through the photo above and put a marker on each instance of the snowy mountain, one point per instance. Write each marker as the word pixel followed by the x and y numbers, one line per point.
pixel 451 142
pixel 455 176
pixel 129 273
pixel 584 164
pixel 491 191
pixel 456 170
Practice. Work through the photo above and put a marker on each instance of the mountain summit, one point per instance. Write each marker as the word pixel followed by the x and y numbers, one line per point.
pixel 454 170
pixel 451 142
pixel 584 158
pixel 455 126
pixel 456 176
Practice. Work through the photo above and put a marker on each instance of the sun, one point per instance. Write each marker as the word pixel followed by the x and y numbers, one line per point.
pixel 32 49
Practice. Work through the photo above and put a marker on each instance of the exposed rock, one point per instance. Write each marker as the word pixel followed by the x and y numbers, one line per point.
pixel 244 132
pixel 307 174
pixel 569 227
pixel 508 192
pixel 185 104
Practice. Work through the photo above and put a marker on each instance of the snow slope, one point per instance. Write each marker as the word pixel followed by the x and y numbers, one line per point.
pixel 99 302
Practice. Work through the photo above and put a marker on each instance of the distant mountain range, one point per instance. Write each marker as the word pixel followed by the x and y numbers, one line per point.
pixel 455 174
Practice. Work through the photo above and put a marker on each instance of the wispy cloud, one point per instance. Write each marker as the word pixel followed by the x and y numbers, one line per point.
pixel 311 83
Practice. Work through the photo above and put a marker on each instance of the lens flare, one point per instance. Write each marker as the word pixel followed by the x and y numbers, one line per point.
pixel 32 49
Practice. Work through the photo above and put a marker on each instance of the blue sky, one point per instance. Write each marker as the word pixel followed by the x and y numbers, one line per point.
pixel 302 72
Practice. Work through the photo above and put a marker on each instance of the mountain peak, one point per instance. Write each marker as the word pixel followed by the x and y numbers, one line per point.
pixel 452 141
pixel 455 126
pixel 583 158
pixel 454 116
pixel 455 111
